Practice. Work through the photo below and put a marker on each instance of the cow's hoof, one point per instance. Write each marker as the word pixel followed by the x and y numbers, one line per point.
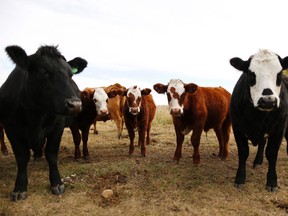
pixel 57 190
pixel 271 189
pixel 86 159
pixel 16 196
pixel 239 186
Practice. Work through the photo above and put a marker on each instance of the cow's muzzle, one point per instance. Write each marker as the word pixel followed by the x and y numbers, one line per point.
pixel 103 112
pixel 267 103
pixel 134 110
pixel 176 112
pixel 73 105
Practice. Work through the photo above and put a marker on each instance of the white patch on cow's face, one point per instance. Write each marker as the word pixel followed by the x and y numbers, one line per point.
pixel 174 91
pixel 100 99
pixel 266 66
pixel 134 99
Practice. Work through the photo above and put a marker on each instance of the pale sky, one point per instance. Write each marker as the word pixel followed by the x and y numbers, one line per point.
pixel 143 42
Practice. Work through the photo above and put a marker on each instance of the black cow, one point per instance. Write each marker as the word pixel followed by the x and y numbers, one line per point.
pixel 259 111
pixel 34 101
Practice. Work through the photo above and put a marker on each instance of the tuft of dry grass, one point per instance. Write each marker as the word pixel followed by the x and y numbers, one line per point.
pixel 153 185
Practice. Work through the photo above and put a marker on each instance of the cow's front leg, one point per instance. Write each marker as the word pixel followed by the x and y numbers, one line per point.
pixel 77 140
pixel 195 140
pixel 243 153
pixel 179 142
pixel 20 189
pixel 271 153
pixel 141 133
pixel 51 153
pixel 131 134
pixel 85 135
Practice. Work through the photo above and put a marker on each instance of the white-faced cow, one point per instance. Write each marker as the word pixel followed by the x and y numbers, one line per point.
pixel 139 113
pixel 259 109
pixel 115 108
pixel 94 103
pixel 34 100
pixel 198 108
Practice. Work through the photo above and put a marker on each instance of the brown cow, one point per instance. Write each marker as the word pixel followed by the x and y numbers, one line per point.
pixel 139 113
pixel 94 102
pixel 198 108
pixel 115 108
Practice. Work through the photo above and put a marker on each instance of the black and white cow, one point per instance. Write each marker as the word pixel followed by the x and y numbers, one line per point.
pixel 259 110
pixel 34 101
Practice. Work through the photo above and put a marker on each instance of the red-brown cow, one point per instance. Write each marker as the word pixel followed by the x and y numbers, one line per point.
pixel 115 107
pixel 94 102
pixel 139 113
pixel 198 108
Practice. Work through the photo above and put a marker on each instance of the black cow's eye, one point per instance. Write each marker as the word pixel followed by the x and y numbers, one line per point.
pixel 251 78
pixel 279 78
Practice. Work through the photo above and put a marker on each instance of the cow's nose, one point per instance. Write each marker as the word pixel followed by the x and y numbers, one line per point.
pixel 103 112
pixel 134 110
pixel 267 103
pixel 175 111
pixel 73 105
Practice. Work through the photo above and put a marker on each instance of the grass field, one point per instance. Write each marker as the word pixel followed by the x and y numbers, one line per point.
pixel 153 185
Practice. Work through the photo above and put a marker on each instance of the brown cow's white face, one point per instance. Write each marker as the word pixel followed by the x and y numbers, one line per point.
pixel 175 91
pixel 134 99
pixel 100 99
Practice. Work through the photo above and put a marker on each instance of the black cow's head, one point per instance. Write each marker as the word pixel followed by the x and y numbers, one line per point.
pixel 175 91
pixel 49 81
pixel 264 75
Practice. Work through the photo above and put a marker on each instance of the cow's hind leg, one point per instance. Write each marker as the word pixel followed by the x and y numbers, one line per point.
pixel 259 155
pixel 222 154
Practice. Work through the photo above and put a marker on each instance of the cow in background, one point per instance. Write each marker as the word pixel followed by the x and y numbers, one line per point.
pixel 139 112
pixel 34 101
pixel 115 107
pixel 197 108
pixel 94 103
pixel 259 111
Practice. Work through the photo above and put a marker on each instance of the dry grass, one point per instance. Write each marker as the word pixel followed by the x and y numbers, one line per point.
pixel 146 186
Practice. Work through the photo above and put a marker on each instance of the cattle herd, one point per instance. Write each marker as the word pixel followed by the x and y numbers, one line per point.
pixel 39 99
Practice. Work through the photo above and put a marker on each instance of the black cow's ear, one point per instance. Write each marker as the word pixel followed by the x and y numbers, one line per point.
pixel 78 65
pixel 145 91
pixel 190 88
pixel 284 63
pixel 160 88
pixel 18 56
pixel 239 64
